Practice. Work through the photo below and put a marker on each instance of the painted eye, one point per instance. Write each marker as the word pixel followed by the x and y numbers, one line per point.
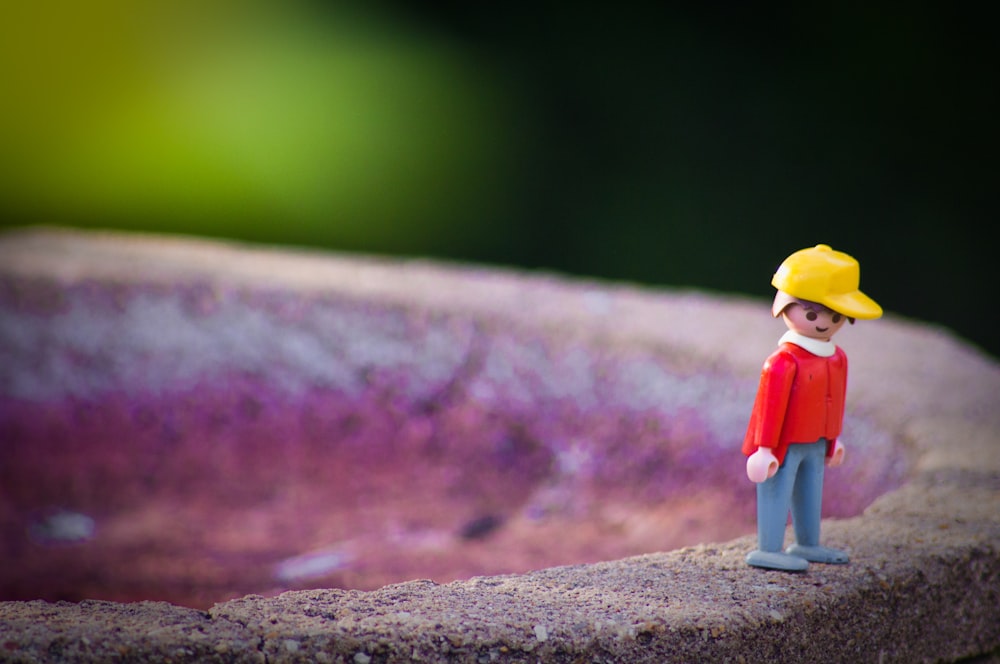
pixel 811 315
pixel 836 318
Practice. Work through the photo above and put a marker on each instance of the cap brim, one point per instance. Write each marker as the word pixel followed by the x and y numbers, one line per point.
pixel 854 305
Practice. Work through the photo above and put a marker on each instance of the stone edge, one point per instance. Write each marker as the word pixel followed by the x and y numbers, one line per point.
pixel 942 405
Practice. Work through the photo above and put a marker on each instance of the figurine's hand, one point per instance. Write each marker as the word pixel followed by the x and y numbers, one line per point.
pixel 761 465
pixel 837 457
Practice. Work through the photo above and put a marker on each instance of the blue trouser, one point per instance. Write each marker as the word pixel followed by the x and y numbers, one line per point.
pixel 798 487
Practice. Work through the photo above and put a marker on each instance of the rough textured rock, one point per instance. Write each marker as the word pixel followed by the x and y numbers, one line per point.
pixel 923 584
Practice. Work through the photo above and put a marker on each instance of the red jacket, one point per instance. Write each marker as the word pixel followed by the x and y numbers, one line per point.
pixel 800 400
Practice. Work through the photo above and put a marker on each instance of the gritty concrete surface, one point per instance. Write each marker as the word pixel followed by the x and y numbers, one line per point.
pixel 923 584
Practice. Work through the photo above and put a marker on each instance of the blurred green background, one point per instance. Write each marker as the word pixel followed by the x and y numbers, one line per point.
pixel 667 146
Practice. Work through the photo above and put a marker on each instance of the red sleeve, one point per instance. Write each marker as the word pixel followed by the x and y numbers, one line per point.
pixel 768 414
pixel 841 379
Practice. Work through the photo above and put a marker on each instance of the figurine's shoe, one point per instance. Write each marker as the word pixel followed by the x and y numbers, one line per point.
pixel 777 560
pixel 818 554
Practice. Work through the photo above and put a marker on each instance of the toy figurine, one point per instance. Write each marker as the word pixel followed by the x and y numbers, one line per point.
pixel 795 425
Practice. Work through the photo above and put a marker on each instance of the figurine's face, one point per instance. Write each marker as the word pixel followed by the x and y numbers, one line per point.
pixel 814 322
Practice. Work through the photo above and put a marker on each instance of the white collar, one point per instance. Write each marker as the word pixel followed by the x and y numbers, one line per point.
pixel 814 346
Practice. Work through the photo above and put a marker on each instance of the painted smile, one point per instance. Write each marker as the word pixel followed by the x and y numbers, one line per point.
pixel 822 329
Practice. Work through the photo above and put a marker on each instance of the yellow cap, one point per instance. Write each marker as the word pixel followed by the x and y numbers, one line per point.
pixel 820 274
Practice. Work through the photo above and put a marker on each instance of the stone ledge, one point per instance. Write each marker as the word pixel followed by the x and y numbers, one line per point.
pixel 923 584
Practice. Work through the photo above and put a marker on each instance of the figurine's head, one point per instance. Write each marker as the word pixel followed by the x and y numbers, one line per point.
pixel 823 276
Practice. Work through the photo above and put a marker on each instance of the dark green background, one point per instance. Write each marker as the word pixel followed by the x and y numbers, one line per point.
pixel 698 147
